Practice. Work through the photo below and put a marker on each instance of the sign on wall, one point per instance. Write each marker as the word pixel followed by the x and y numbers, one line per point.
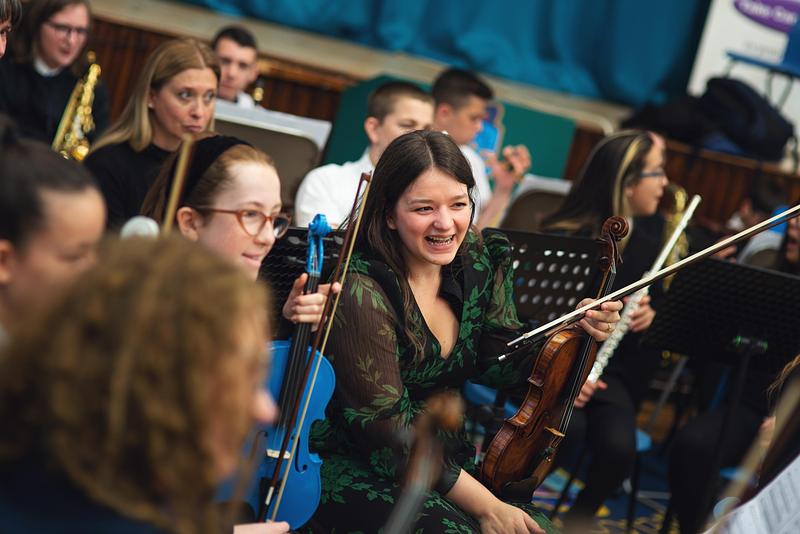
pixel 754 28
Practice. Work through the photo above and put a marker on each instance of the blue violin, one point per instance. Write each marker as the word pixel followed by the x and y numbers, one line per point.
pixel 286 484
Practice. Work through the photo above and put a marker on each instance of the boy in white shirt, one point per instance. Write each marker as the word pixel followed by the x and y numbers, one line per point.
pixel 237 53
pixel 393 109
pixel 461 98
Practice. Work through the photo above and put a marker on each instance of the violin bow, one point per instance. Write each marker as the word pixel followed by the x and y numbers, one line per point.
pixel 576 315
pixel 177 183
pixel 320 342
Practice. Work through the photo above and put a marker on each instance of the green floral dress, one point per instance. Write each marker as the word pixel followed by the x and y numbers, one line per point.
pixel 381 384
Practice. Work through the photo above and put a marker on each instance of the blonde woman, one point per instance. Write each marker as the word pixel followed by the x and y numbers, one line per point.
pixel 624 175
pixel 175 95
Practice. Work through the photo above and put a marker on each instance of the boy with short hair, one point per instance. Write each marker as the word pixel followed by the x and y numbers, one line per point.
pixel 393 109
pixel 461 98
pixel 237 53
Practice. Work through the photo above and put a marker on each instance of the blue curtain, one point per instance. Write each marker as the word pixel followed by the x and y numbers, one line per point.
pixel 628 51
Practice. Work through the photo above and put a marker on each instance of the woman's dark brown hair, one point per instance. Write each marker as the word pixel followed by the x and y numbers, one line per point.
pixel 403 161
pixel 35 14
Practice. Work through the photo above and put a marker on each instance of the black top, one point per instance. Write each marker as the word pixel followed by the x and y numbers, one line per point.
pixel 631 363
pixel 36 103
pixel 36 499
pixel 125 176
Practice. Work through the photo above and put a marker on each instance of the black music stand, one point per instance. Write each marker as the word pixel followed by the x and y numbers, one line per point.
pixel 744 316
pixel 287 260
pixel 552 274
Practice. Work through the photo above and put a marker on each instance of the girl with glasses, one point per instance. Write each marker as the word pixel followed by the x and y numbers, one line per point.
pixel 46 58
pixel 231 203
pixel 623 176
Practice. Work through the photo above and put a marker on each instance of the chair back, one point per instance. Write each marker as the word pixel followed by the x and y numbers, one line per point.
pixel 534 201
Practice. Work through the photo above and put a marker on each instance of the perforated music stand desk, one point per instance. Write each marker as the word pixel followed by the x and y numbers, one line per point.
pixel 741 315
pixel 552 273
pixel 287 260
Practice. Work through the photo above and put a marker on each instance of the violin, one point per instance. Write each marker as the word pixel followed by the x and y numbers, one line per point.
pixel 527 442
pixel 442 411
pixel 300 477
pixel 520 454
pixel 303 381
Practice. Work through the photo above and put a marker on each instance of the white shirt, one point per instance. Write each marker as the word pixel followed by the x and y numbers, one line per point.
pixel 330 190
pixel 244 100
pixel 43 70
pixel 483 191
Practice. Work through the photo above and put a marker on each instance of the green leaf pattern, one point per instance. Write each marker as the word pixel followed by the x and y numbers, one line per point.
pixel 354 481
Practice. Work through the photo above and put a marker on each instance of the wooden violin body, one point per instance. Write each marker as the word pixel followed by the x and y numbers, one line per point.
pixel 521 453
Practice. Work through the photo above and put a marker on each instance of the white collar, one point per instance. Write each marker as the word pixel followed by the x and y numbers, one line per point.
pixel 43 70
pixel 364 163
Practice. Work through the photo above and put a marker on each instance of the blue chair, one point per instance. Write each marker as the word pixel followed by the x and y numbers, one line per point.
pixel 478 395
pixel 789 65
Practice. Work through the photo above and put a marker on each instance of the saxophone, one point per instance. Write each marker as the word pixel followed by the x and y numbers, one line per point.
pixel 674 247
pixel 77 122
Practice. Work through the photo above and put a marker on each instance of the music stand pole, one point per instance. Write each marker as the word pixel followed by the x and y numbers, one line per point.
pixel 745 316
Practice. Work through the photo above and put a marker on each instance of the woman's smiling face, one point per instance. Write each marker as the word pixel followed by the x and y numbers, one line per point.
pixel 431 218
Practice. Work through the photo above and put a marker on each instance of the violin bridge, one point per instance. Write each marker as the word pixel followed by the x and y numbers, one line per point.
pixel 272 453
pixel 554 432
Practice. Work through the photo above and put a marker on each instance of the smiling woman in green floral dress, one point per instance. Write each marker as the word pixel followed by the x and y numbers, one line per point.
pixel 427 305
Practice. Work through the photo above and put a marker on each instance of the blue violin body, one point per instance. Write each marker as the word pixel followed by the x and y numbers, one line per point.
pixel 304 486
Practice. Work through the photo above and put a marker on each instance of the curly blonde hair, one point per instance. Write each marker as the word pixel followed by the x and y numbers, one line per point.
pixel 117 385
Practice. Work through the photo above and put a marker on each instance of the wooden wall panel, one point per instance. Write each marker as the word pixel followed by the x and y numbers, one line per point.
pixel 722 180
pixel 288 87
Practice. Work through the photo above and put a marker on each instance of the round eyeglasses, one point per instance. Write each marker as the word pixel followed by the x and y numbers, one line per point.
pixel 65 30
pixel 253 221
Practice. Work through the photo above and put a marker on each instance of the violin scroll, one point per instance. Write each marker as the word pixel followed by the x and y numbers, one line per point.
pixel 615 228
